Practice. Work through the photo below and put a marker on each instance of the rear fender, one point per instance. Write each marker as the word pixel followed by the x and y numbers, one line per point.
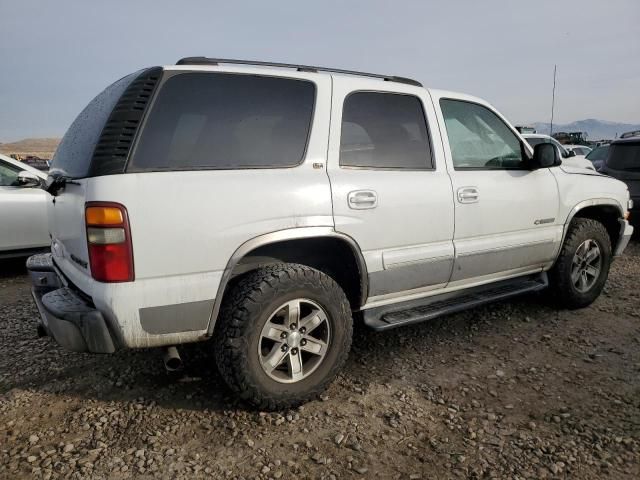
pixel 279 236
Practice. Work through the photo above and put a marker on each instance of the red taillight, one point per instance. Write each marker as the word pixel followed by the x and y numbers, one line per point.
pixel 109 242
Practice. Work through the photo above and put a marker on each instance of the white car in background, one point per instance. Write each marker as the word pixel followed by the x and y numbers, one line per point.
pixel 569 158
pixel 23 209
pixel 578 149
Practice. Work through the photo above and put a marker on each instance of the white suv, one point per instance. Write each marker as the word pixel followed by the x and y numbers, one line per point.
pixel 264 206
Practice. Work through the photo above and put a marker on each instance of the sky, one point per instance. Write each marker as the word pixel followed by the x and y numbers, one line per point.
pixel 57 55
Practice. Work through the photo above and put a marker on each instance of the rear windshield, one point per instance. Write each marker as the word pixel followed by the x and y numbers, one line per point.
pixel 226 121
pixel 624 156
pixel 73 155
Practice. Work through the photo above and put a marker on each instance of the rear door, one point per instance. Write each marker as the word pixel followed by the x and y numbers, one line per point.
pixel 23 221
pixel 390 188
pixel 506 215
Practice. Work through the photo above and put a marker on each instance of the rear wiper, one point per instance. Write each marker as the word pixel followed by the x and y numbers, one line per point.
pixel 57 182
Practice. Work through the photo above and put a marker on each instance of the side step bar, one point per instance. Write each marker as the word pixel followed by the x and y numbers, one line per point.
pixel 415 311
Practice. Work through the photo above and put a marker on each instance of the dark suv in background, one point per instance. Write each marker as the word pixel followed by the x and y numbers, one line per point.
pixel 623 163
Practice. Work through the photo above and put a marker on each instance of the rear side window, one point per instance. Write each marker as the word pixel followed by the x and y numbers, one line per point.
pixel 226 121
pixel 624 156
pixel 73 155
pixel 384 130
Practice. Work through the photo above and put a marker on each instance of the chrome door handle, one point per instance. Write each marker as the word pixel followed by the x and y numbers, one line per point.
pixel 362 199
pixel 468 195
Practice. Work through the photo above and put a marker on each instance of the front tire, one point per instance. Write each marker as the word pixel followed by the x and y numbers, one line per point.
pixel 582 268
pixel 284 333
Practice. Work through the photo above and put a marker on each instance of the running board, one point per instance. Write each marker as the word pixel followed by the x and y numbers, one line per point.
pixel 415 311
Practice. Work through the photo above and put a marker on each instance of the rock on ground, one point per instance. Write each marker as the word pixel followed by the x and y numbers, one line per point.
pixel 513 390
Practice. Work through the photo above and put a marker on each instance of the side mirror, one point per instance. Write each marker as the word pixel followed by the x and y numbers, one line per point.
pixel 28 179
pixel 545 155
pixel 571 153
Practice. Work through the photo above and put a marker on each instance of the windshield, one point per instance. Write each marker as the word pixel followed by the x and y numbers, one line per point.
pixel 624 156
pixel 533 141
pixel 599 153
pixel 563 151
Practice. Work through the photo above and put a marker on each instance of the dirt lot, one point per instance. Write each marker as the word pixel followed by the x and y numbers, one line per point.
pixel 515 390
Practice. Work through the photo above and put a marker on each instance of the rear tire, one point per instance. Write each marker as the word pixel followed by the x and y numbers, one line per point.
pixel 582 268
pixel 283 334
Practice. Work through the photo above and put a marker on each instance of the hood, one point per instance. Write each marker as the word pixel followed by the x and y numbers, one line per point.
pixel 578 170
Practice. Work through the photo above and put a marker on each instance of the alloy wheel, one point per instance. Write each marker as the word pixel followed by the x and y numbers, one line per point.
pixel 294 341
pixel 586 265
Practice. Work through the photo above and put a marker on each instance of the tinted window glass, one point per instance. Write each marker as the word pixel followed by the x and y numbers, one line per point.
pixel 599 153
pixel 384 130
pixel 226 121
pixel 8 175
pixel 73 155
pixel 479 138
pixel 624 156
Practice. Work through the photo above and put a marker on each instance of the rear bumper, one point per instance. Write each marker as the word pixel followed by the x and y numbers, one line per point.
pixel 626 231
pixel 66 316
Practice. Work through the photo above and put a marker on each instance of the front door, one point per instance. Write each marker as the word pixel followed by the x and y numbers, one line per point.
pixel 506 215
pixel 390 188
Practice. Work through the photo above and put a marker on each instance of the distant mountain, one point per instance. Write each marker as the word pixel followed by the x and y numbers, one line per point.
pixel 41 147
pixel 596 129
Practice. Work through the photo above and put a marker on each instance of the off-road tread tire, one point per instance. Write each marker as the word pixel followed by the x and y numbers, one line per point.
pixel 243 307
pixel 561 288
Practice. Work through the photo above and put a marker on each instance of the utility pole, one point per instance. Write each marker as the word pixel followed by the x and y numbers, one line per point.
pixel 553 99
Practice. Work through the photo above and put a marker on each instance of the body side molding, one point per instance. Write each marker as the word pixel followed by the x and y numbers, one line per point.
pixel 285 235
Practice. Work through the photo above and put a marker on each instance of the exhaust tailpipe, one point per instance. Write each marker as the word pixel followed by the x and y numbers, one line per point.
pixel 171 359
pixel 41 331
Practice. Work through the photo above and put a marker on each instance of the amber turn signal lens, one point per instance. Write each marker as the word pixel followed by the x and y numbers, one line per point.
pixel 103 216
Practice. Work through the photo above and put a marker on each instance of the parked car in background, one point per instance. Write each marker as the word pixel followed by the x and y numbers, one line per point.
pixel 36 162
pixel 23 209
pixel 578 149
pixel 261 205
pixel 598 155
pixel 570 159
pixel 634 133
pixel 623 162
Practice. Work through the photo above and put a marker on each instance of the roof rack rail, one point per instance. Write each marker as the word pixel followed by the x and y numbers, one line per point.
pixel 300 68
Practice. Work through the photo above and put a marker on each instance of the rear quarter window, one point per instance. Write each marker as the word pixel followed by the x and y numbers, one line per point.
pixel 226 121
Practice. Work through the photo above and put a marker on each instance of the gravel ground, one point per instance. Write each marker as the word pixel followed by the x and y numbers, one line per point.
pixel 513 390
